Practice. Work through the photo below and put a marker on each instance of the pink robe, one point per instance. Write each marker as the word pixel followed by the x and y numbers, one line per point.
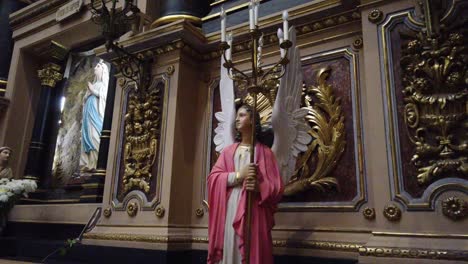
pixel 263 206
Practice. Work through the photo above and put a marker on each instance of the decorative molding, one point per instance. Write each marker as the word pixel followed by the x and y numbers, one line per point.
pixel 35 10
pixel 369 213
pixel 375 16
pixel 455 208
pixel 392 212
pixel 313 26
pixel 417 253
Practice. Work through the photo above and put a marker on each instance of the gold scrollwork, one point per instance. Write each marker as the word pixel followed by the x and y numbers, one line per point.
pixel 435 98
pixel 200 212
pixel 455 208
pixel 375 16
pixel 327 122
pixel 142 131
pixel 160 211
pixel 107 212
pixel 369 213
pixel 132 209
pixel 50 74
pixel 392 212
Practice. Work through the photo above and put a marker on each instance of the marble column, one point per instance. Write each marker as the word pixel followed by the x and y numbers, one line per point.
pixel 50 75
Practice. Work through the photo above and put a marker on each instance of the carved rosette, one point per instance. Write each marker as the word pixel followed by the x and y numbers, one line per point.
pixel 375 16
pixel 199 212
pixel 455 208
pixel 50 75
pixel 160 211
pixel 142 133
pixel 369 213
pixel 392 212
pixel 107 212
pixel 132 209
pixel 434 78
pixel 326 120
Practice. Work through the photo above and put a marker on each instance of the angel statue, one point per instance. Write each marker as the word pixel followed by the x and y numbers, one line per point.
pixel 233 175
pixel 94 103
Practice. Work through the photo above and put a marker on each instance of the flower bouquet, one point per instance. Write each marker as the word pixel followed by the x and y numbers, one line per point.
pixel 11 191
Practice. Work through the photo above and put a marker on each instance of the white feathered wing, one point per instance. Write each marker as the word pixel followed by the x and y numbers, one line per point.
pixel 289 126
pixel 225 131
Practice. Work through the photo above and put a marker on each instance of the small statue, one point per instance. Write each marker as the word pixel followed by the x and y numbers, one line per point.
pixel 5 170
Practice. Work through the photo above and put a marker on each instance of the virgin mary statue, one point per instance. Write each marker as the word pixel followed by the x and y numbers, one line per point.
pixel 93 115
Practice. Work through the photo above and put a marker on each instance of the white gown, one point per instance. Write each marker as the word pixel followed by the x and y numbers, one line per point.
pixel 231 253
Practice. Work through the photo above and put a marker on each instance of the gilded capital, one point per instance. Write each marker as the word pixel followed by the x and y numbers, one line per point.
pixel 50 74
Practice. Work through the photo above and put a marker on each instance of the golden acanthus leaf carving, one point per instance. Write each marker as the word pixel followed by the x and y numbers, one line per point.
pixel 326 120
pixel 142 130
pixel 435 87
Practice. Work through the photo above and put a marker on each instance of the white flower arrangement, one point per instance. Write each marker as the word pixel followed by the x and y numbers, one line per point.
pixel 12 190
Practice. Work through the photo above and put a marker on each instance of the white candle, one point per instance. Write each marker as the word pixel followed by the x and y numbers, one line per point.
pixel 229 51
pixel 223 24
pixel 281 39
pixel 256 7
pixel 285 25
pixel 251 16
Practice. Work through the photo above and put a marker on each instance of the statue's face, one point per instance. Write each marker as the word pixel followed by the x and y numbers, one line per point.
pixel 98 69
pixel 243 120
pixel 5 155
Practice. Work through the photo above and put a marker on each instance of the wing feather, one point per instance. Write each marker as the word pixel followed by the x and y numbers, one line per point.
pixel 225 131
pixel 289 126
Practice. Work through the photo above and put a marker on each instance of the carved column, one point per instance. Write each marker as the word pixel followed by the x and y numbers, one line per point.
pixel 50 75
pixel 93 187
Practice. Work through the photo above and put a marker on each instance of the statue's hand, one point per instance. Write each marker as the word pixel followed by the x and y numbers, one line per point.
pixel 251 183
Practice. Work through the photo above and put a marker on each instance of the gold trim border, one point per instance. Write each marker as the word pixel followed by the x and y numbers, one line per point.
pixel 172 18
pixel 425 235
pixel 418 253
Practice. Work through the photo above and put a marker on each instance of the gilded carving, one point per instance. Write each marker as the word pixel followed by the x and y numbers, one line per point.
pixel 369 213
pixel 107 212
pixel 50 74
pixel 142 131
pixel 392 212
pixel 455 208
pixel 160 211
pixel 434 77
pixel 132 209
pixel 375 16
pixel 326 120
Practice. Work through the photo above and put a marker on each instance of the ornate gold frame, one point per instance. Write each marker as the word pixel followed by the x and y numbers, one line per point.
pixel 140 196
pixel 427 200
